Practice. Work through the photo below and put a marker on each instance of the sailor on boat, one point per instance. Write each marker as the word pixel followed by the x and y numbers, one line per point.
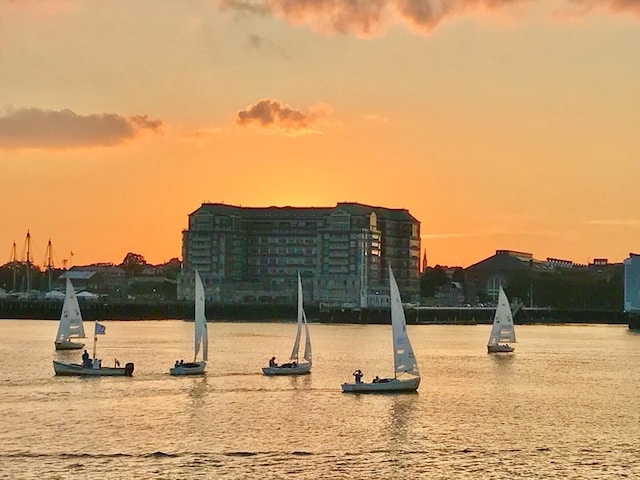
pixel 358 376
pixel 85 359
pixel 272 362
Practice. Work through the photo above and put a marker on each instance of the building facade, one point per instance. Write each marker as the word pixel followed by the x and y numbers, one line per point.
pixel 252 255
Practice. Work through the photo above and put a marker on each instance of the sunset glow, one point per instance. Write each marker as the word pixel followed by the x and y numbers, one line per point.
pixel 498 125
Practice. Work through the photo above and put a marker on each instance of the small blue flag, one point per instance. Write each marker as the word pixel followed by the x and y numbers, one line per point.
pixel 100 329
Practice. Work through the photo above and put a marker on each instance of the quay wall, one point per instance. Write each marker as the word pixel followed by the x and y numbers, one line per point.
pixel 181 310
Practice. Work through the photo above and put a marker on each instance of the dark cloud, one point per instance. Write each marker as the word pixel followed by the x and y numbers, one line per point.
pixel 276 116
pixel 370 17
pixel 267 112
pixel 255 41
pixel 143 121
pixel 36 128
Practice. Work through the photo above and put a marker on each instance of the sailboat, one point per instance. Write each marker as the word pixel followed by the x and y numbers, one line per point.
pixel 92 366
pixel 201 338
pixel 406 375
pixel 70 325
pixel 502 330
pixel 294 367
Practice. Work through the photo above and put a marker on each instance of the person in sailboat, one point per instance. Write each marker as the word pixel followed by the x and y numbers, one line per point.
pixel 85 359
pixel 358 375
pixel 272 362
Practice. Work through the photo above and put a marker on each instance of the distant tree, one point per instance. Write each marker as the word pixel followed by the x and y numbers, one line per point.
pixel 458 275
pixel 133 264
pixel 431 279
pixel 13 277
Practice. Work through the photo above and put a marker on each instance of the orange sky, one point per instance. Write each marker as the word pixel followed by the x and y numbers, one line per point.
pixel 499 125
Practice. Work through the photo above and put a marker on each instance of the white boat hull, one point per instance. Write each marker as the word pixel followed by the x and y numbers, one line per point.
pixel 391 385
pixel 300 369
pixel 68 345
pixel 75 369
pixel 499 349
pixel 191 368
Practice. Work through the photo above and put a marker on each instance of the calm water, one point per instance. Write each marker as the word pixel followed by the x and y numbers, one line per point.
pixel 565 405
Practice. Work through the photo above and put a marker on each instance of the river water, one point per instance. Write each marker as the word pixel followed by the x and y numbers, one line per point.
pixel 564 405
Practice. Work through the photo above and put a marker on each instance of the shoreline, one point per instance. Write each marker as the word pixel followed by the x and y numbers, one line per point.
pixel 12 309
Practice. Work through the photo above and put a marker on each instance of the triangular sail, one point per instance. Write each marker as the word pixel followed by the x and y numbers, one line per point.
pixel 296 344
pixel 403 357
pixel 307 343
pixel 70 325
pixel 201 338
pixel 502 330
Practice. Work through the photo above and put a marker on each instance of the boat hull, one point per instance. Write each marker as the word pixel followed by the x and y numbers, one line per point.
pixel 191 368
pixel 390 386
pixel 68 345
pixel 75 369
pixel 300 369
pixel 499 349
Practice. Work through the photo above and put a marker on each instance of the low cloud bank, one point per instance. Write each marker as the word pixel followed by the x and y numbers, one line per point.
pixel 37 128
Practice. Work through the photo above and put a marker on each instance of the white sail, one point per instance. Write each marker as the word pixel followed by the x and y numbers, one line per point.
pixel 70 325
pixel 502 330
pixel 201 338
pixel 301 318
pixel 294 367
pixel 307 343
pixel 403 357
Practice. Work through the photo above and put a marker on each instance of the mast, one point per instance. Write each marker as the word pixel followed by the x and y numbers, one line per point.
pixel 49 260
pixel 95 338
pixel 28 262
pixel 14 263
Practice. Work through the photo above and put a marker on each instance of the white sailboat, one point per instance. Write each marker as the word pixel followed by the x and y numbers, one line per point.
pixel 406 375
pixel 92 366
pixel 201 337
pixel 502 330
pixel 70 325
pixel 294 367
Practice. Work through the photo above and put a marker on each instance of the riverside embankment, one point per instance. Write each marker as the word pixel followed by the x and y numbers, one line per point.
pixel 148 310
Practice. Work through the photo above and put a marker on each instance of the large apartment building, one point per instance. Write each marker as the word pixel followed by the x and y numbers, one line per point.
pixel 252 255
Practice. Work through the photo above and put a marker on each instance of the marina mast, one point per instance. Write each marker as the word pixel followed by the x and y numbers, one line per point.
pixel 50 262
pixel 27 245
pixel 14 264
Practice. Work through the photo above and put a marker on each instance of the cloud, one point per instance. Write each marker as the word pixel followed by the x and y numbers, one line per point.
pixel 278 117
pixel 615 222
pixel 37 128
pixel 142 121
pixel 366 18
pixel 439 236
pixel 372 117
pixel 503 232
pixel 256 42
pixel 201 137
